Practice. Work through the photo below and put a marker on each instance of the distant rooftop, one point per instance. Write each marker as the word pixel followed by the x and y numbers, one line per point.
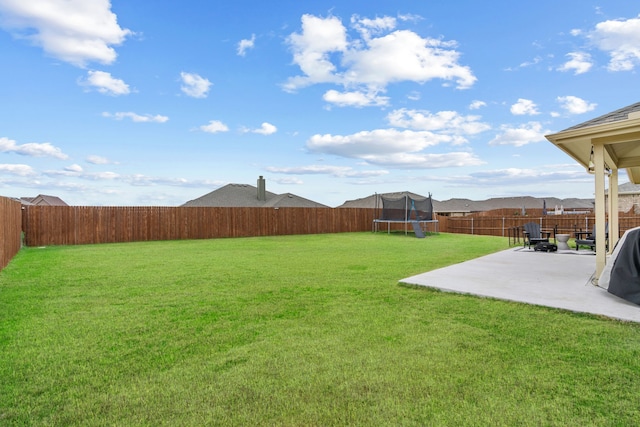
pixel 245 195
pixel 43 200
pixel 466 206
pixel 628 188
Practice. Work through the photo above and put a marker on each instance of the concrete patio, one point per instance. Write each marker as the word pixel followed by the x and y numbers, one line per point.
pixel 562 279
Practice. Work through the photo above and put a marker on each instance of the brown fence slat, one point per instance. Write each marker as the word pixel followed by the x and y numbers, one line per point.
pixel 10 229
pixel 69 225
pixel 507 225
pixel 64 225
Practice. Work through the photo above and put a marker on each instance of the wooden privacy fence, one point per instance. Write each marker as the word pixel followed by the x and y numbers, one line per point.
pixel 10 230
pixel 75 225
pixel 512 225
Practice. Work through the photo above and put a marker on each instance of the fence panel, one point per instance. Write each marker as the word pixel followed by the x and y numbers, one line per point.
pixel 64 225
pixel 10 230
pixel 72 225
pixel 512 225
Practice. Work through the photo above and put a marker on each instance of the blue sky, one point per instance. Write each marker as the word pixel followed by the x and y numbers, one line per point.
pixel 159 102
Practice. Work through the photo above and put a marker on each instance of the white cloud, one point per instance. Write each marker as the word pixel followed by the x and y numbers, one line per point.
pixel 194 85
pixel 579 63
pixel 245 45
pixel 311 48
pixel 77 172
pixel 476 105
pixel 561 173
pixel 405 56
pixel 354 99
pixel 214 126
pixel 74 168
pixel 74 31
pixel 98 160
pixel 444 122
pixel 31 149
pixel 524 107
pixel 621 40
pixel 535 61
pixel 100 176
pixel 425 161
pixel 15 169
pixel 368 27
pixel 519 136
pixel 81 174
pixel 392 148
pixel 414 95
pixel 575 105
pixel 289 180
pixel 370 61
pixel 148 181
pixel 379 141
pixel 410 17
pixel 337 171
pixel 266 129
pixel 146 118
pixel 104 83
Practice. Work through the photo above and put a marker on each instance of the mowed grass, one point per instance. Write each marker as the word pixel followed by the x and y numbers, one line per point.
pixel 295 330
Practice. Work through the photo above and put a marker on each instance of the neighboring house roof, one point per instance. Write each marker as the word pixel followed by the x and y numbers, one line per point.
pixel 245 195
pixel 627 188
pixel 43 200
pixel 528 202
pixel 374 201
pixel 468 206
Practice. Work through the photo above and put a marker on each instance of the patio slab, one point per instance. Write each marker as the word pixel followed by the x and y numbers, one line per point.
pixel 562 279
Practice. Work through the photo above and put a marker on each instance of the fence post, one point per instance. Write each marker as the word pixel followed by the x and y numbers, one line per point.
pixel 502 226
pixel 472 226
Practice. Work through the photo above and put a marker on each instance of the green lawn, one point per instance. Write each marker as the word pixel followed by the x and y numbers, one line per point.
pixel 295 331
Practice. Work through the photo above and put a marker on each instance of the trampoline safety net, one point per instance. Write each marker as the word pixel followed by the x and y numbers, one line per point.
pixel 406 209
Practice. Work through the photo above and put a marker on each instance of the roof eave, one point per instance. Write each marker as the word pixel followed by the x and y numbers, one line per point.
pixel 567 139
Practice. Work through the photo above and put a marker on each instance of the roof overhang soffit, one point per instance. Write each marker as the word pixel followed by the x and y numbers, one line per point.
pixel 621 141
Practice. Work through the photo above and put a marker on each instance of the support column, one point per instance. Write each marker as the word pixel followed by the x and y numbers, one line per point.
pixel 598 159
pixel 614 224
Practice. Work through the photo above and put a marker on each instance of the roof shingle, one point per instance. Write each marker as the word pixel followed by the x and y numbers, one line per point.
pixel 245 195
pixel 614 116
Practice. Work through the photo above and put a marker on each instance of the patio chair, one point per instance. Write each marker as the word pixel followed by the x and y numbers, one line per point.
pixel 533 234
pixel 588 238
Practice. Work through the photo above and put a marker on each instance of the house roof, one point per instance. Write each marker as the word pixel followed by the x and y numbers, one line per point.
pixel 468 206
pixel 245 195
pixel 627 188
pixel 373 201
pixel 614 116
pixel 618 132
pixel 43 200
pixel 528 202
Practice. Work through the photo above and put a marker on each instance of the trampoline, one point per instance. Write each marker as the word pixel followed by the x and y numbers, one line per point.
pixel 406 210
